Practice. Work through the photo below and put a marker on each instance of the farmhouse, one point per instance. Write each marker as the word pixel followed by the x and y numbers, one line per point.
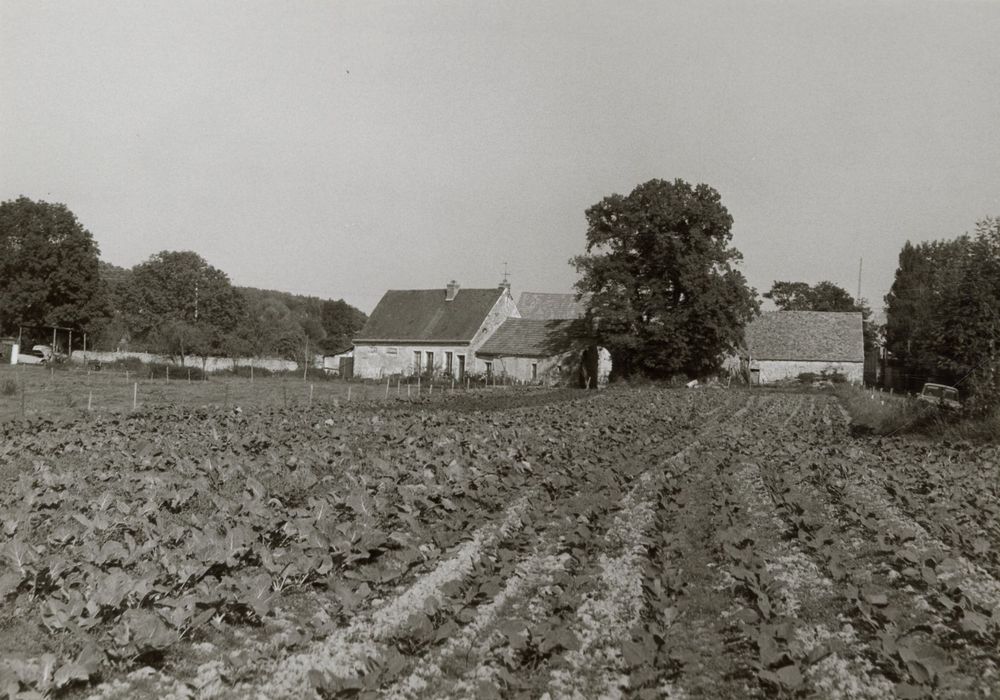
pixel 550 343
pixel 436 331
pixel 784 344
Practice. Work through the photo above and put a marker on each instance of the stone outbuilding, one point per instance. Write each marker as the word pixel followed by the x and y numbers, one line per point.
pixel 782 345
pixel 431 331
pixel 550 344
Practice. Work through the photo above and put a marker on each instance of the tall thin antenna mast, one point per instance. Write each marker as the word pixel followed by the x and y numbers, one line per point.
pixel 857 299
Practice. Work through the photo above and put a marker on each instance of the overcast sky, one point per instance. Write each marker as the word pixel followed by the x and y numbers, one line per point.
pixel 343 148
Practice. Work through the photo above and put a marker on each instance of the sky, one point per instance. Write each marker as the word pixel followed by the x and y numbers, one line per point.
pixel 339 149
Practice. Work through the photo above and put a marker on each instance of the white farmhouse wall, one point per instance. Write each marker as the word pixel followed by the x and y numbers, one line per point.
pixel 380 361
pixel 777 370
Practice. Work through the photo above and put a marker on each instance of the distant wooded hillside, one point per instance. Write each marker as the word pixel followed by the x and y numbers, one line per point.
pixel 253 322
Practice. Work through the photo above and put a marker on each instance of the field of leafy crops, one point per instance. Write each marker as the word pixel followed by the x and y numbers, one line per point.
pixel 650 543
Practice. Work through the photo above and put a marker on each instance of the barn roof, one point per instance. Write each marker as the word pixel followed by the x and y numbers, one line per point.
pixel 541 305
pixel 534 337
pixel 818 336
pixel 424 315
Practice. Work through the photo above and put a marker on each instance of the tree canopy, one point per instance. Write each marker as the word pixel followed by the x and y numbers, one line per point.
pixel 661 279
pixel 48 267
pixel 823 296
pixel 943 311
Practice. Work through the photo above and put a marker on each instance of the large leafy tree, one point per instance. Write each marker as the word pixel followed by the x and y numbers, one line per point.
pixel 967 337
pixel 48 267
pixel 664 290
pixel 180 304
pixel 823 296
pixel 944 311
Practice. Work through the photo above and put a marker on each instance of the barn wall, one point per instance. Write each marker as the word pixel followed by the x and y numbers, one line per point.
pixel 556 369
pixel 519 368
pixel 378 361
pixel 776 370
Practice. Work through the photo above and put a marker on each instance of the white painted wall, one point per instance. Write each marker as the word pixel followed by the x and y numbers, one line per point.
pixel 777 370
pixel 380 361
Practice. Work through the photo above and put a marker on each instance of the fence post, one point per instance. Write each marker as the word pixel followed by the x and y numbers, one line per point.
pixel 135 394
pixel 310 395
pixel 387 388
pixel 348 392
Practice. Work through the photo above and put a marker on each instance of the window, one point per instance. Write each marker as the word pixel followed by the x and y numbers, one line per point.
pixel 448 357
pixel 430 362
pixel 390 351
pixel 489 370
pixel 461 368
pixel 416 362
pixel 534 371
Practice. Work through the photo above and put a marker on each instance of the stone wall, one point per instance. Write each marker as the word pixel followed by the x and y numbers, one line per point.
pixel 777 370
pixel 211 364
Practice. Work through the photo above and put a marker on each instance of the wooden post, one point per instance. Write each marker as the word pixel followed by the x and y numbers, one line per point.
pixel 399 386
pixel 418 385
pixel 53 340
pixel 348 392
pixel 468 383
pixel 135 394
pixel 90 400
pixel 23 392
pixel 310 395
pixel 251 372
pixel 387 388
pixel 407 390
pixel 168 373
pixel 305 361
pixel 453 383
pixel 430 390
pixel 84 347
pixel 189 375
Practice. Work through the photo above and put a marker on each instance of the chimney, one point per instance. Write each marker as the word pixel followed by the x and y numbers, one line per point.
pixel 451 291
pixel 505 284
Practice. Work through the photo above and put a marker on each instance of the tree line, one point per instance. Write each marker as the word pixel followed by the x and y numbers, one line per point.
pixel 943 311
pixel 173 303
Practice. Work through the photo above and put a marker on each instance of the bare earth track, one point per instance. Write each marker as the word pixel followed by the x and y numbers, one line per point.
pixel 634 543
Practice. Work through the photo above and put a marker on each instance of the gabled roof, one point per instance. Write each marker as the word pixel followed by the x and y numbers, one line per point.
pixel 533 337
pixel 541 305
pixel 424 315
pixel 811 336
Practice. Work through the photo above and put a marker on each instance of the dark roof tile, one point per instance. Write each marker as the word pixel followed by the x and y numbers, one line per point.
pixel 532 337
pixel 818 336
pixel 424 315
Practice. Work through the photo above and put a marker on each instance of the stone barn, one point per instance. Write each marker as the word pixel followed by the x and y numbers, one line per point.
pixel 550 344
pixel 431 331
pixel 784 344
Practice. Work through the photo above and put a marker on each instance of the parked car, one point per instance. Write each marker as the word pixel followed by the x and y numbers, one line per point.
pixel 940 395
pixel 32 357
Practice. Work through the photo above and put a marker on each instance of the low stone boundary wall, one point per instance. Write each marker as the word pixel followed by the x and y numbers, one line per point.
pixel 208 364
